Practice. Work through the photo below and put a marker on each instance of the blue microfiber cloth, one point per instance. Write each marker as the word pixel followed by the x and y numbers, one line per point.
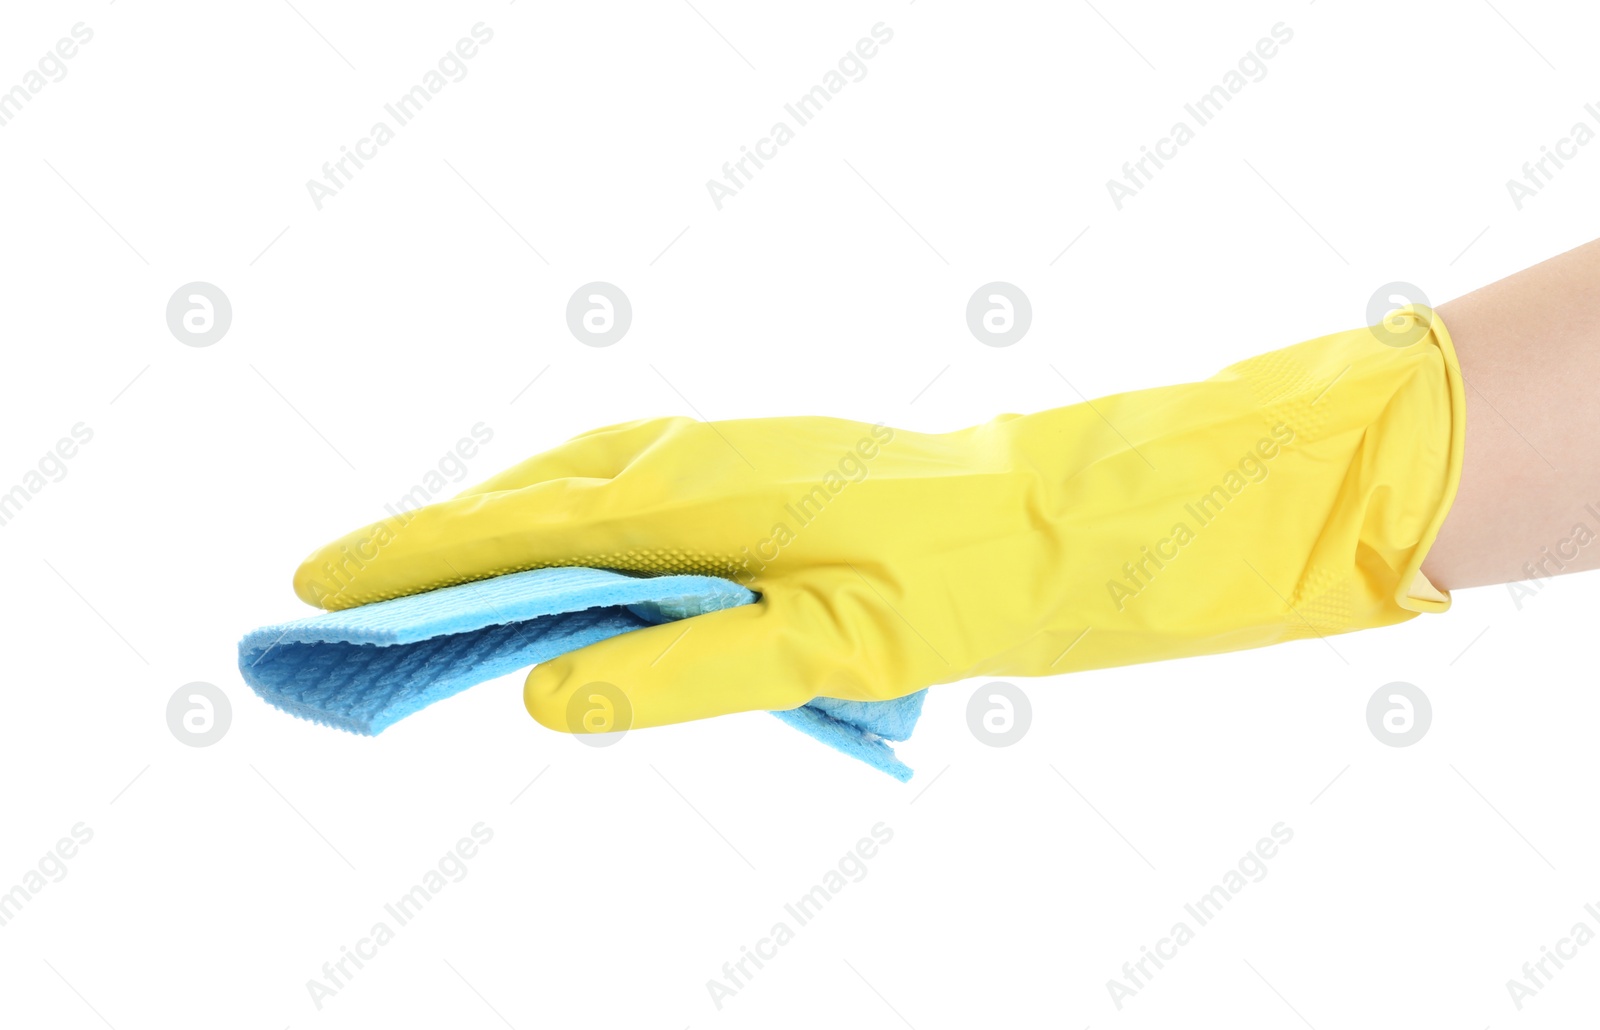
pixel 363 669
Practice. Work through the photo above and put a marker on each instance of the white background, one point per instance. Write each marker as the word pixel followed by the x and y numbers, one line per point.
pixel 367 337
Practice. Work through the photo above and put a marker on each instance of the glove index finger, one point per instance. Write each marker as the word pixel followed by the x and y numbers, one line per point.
pixel 455 541
pixel 565 522
pixel 598 454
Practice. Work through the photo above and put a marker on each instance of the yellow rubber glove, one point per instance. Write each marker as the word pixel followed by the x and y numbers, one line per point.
pixel 1291 495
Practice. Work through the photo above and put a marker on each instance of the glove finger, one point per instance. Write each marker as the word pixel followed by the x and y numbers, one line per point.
pixel 564 522
pixel 803 639
pixel 668 496
pixel 598 454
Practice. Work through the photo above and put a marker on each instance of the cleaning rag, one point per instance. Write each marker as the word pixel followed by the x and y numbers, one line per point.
pixel 363 669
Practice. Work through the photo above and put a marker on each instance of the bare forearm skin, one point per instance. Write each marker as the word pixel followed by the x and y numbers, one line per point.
pixel 1529 501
